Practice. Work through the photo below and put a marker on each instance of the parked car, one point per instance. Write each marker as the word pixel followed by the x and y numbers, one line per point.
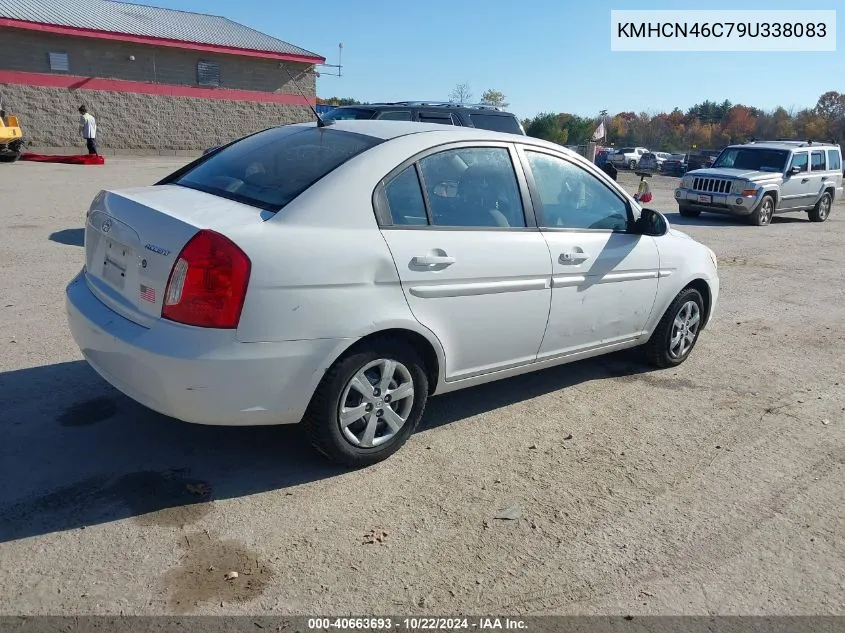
pixel 703 158
pixel 628 157
pixel 339 276
pixel 675 165
pixel 759 179
pixel 468 115
pixel 602 156
pixel 477 115
pixel 653 161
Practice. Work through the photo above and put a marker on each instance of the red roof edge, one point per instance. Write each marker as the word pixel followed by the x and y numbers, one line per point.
pixel 157 41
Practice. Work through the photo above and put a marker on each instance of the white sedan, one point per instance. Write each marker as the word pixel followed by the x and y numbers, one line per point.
pixel 341 275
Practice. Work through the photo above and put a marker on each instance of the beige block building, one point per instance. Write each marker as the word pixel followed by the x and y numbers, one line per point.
pixel 157 80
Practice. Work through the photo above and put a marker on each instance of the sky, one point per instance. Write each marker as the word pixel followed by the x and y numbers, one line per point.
pixel 545 56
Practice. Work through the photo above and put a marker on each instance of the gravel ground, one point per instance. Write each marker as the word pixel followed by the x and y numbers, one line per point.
pixel 715 488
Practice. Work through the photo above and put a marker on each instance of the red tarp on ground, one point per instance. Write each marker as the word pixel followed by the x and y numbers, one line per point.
pixel 82 159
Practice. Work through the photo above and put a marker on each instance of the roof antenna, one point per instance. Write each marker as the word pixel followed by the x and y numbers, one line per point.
pixel 320 122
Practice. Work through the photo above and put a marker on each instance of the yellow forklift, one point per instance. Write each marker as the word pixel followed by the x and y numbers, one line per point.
pixel 11 137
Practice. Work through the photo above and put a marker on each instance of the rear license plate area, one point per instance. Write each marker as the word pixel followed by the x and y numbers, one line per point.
pixel 114 263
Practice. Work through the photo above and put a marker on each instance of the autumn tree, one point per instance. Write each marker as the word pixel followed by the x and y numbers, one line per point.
pixel 738 124
pixel 809 124
pixel 705 125
pixel 831 108
pixel 831 105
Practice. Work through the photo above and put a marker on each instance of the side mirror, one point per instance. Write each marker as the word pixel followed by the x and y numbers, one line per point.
pixel 794 171
pixel 651 223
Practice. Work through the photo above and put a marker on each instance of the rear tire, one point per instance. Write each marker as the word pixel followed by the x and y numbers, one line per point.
pixel 359 429
pixel 688 213
pixel 762 215
pixel 821 211
pixel 632 164
pixel 676 334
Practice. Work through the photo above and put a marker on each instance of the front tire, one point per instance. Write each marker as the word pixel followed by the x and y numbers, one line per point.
pixel 762 215
pixel 677 332
pixel 632 164
pixel 9 156
pixel 368 404
pixel 821 211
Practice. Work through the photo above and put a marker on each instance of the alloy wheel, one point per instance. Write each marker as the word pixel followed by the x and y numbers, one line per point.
pixel 824 208
pixel 684 330
pixel 767 209
pixel 376 403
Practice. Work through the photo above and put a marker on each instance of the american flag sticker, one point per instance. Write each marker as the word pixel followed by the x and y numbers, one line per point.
pixel 148 293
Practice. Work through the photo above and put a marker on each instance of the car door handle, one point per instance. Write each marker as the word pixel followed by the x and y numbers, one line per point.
pixel 573 257
pixel 805 180
pixel 433 260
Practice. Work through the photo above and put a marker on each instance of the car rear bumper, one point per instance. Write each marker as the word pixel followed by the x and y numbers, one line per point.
pixel 193 374
pixel 725 203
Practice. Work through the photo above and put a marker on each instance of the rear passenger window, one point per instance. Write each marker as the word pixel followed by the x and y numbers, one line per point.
pixel 394 116
pixel 496 123
pixel 473 187
pixel 834 161
pixel 817 161
pixel 404 197
pixel 436 117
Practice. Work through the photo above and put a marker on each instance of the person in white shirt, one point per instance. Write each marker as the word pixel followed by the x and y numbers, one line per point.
pixel 88 129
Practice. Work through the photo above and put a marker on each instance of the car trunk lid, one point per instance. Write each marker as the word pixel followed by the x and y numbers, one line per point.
pixel 133 238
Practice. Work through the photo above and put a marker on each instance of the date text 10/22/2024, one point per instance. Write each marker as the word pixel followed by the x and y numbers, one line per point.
pixel 416 624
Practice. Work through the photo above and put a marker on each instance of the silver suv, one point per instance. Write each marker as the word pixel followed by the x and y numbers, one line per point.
pixel 628 157
pixel 761 178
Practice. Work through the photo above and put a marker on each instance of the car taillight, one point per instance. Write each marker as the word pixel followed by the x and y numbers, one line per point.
pixel 208 283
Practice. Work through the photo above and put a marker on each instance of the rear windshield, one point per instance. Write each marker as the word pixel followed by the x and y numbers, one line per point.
pixel 348 114
pixel 269 169
pixel 496 123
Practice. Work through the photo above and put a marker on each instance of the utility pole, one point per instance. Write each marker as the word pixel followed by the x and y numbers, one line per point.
pixel 604 119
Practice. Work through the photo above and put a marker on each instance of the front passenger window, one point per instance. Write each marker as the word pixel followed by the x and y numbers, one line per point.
pixel 799 160
pixel 572 198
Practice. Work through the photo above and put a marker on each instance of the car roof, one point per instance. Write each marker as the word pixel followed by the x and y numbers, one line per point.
pixel 788 145
pixel 387 130
pixel 407 105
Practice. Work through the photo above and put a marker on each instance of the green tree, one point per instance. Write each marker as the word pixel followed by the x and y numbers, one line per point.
pixel 545 126
pixel 338 101
pixel 494 98
pixel 579 130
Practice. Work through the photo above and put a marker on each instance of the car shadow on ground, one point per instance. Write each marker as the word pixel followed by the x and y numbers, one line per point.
pixel 74 452
pixel 714 220
pixel 70 237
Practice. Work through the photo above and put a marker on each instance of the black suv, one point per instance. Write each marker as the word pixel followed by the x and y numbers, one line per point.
pixel 479 116
pixel 702 159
